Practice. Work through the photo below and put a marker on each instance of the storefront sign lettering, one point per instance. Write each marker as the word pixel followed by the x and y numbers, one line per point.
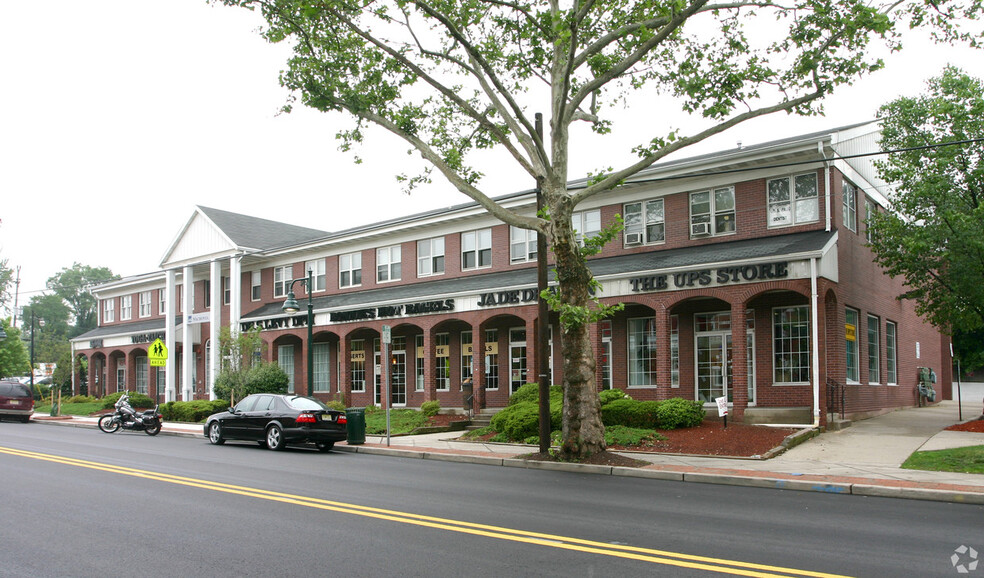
pixel 704 277
pixel 146 337
pixel 385 311
pixel 278 323
pixel 513 297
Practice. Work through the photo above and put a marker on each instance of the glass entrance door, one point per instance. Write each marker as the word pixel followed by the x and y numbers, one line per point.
pixel 713 366
pixel 398 377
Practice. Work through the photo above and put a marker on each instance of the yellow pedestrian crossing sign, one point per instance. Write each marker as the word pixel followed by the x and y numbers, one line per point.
pixel 157 354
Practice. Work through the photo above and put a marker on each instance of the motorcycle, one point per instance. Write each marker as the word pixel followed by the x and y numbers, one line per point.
pixel 128 418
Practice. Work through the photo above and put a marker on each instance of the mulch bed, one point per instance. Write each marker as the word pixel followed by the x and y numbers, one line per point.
pixel 976 426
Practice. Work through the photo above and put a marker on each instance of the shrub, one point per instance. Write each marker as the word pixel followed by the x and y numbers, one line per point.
pixel 430 408
pixel 81 399
pixel 618 412
pixel 531 392
pixel 263 377
pixel 335 404
pixel 646 415
pixel 618 435
pixel 609 395
pixel 522 420
pixel 371 408
pixel 136 400
pixel 678 412
pixel 192 411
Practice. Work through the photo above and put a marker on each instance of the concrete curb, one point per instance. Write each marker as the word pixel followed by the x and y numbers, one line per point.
pixel 870 487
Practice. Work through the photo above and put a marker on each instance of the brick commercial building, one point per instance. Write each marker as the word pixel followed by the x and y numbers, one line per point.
pixel 744 275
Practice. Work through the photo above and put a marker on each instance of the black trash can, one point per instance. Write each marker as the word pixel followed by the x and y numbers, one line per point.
pixel 355 428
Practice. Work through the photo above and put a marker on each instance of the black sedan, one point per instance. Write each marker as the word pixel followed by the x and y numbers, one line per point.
pixel 277 420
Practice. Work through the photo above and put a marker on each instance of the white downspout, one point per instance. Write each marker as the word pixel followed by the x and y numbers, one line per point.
pixel 814 338
pixel 826 180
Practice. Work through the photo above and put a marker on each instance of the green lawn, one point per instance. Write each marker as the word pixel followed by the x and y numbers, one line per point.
pixel 968 460
pixel 401 421
pixel 69 408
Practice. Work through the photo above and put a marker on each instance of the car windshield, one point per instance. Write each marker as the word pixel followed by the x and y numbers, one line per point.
pixel 305 403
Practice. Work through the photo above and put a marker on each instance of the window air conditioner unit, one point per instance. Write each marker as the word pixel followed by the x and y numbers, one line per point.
pixel 700 229
pixel 633 238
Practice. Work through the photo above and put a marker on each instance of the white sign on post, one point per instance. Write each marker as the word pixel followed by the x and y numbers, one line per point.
pixel 722 403
pixel 387 335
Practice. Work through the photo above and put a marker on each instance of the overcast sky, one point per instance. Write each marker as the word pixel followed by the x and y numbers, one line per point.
pixel 118 117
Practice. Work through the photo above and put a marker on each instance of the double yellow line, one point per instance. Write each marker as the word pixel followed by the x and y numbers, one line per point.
pixel 662 557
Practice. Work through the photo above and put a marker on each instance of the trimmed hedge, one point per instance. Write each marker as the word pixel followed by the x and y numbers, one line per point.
pixel 678 412
pixel 430 408
pixel 137 400
pixel 192 411
pixel 668 414
pixel 522 420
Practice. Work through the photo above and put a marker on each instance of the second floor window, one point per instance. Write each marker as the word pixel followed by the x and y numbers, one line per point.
pixel 255 285
pixel 226 290
pixel 109 310
pixel 126 307
pixel 793 200
pixel 282 276
pixel 522 245
pixel 162 301
pixel 317 269
pixel 145 303
pixel 869 210
pixel 430 257
pixel 850 206
pixel 476 249
pixel 388 264
pixel 712 212
pixel 586 224
pixel 644 222
pixel 350 270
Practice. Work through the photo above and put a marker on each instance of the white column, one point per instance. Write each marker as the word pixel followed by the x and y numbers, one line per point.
pixel 170 336
pixel 236 290
pixel 188 357
pixel 215 324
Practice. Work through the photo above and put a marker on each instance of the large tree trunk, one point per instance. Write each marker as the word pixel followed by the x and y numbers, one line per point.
pixel 583 432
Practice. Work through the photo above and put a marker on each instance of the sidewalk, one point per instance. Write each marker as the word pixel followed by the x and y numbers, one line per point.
pixel 863 459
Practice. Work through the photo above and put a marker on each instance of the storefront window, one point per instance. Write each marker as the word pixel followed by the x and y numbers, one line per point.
pixel 851 345
pixel 675 351
pixel 642 352
pixel 141 367
pixel 358 362
pixel 491 359
pixel 419 362
pixel 874 350
pixel 466 355
pixel 791 345
pixel 443 365
pixel 322 367
pixel 285 357
pixel 890 352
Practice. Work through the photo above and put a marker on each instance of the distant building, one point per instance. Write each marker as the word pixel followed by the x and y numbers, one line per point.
pixel 744 274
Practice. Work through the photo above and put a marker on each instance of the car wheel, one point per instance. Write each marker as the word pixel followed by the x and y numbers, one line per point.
pixel 325 446
pixel 215 433
pixel 275 438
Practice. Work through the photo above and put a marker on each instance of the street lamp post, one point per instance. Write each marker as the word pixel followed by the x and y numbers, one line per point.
pixel 290 308
pixel 40 323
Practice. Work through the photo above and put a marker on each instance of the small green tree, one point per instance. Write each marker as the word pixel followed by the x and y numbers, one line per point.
pixel 13 354
pixel 240 352
pixel 263 377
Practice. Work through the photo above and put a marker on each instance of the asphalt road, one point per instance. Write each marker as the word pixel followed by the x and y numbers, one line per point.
pixel 79 502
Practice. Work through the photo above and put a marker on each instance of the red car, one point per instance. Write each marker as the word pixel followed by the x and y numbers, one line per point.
pixel 15 400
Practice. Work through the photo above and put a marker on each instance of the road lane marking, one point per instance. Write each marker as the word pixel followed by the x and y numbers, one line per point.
pixel 663 557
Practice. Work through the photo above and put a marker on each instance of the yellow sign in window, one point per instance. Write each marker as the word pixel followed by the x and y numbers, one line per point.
pixel 850 332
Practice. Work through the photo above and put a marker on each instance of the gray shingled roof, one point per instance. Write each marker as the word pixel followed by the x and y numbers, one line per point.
pixel 257 233
pixel 724 252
